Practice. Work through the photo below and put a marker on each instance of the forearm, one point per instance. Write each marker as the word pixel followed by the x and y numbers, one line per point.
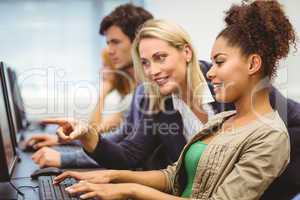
pixel 96 116
pixel 107 124
pixel 110 122
pixel 147 193
pixel 153 179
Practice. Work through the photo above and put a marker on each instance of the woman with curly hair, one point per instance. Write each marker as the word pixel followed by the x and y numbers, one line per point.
pixel 237 154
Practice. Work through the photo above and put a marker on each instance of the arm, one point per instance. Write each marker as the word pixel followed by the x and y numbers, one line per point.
pixel 136 146
pixel 148 193
pixel 153 179
pixel 77 159
pixel 109 122
pixel 138 142
pixel 137 185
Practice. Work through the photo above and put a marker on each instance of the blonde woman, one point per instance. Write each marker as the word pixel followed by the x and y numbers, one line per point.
pixel 168 109
pixel 237 154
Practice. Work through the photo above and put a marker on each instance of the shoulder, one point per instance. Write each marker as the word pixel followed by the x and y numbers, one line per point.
pixel 269 130
pixel 139 90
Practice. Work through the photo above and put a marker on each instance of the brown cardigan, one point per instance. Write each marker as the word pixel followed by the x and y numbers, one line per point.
pixel 237 164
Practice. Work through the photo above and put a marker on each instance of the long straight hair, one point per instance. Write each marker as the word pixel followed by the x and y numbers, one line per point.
pixel 176 37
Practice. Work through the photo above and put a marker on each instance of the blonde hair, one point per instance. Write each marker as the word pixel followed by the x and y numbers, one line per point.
pixel 175 36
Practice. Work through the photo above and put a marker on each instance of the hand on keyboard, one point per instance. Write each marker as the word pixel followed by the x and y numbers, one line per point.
pixel 102 191
pixel 99 176
pixel 49 191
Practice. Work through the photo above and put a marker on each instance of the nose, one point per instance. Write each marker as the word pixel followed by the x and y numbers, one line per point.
pixel 154 70
pixel 111 50
pixel 211 74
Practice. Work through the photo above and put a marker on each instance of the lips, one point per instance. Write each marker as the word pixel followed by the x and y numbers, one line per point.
pixel 161 80
pixel 218 86
pixel 115 60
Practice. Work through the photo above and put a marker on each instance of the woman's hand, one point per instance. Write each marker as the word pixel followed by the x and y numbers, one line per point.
pixel 101 191
pixel 71 129
pixel 99 176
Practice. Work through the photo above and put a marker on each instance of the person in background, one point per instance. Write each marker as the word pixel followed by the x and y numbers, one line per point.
pixel 237 154
pixel 116 91
pixel 119 29
pixel 117 86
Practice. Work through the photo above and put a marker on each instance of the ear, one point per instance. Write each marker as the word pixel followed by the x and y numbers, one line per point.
pixel 187 53
pixel 255 64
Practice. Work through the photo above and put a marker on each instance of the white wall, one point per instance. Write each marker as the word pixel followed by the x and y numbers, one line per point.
pixel 55 47
pixel 204 19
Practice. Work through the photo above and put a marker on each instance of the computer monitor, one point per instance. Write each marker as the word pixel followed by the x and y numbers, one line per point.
pixel 9 102
pixel 18 103
pixel 8 154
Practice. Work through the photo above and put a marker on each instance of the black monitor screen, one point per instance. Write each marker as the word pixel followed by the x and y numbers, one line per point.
pixel 20 115
pixel 7 148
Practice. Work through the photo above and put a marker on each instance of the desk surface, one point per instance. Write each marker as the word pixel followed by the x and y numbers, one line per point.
pixel 21 179
pixel 21 176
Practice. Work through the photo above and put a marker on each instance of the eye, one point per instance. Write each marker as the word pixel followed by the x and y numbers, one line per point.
pixel 219 62
pixel 115 41
pixel 145 63
pixel 161 58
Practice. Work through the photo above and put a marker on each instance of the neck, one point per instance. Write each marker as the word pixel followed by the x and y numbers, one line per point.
pixel 128 69
pixel 253 104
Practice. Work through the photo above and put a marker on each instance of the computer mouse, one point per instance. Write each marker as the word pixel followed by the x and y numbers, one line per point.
pixel 48 171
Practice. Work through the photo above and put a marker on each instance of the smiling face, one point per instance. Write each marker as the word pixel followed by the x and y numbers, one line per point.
pixel 119 46
pixel 229 73
pixel 165 65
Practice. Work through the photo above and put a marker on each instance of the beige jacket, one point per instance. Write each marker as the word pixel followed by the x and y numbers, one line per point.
pixel 238 164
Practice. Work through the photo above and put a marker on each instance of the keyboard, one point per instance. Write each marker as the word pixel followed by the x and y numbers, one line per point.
pixel 48 191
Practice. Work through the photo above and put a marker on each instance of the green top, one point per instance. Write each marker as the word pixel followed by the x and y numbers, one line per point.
pixel 191 160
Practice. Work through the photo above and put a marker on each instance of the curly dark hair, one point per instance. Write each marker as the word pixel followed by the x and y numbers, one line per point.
pixel 127 17
pixel 261 28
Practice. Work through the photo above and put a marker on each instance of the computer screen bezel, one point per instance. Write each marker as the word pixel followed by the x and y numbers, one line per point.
pixel 18 103
pixel 6 171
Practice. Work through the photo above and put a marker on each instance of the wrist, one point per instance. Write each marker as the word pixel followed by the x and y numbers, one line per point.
pixel 115 176
pixel 133 190
pixel 90 140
